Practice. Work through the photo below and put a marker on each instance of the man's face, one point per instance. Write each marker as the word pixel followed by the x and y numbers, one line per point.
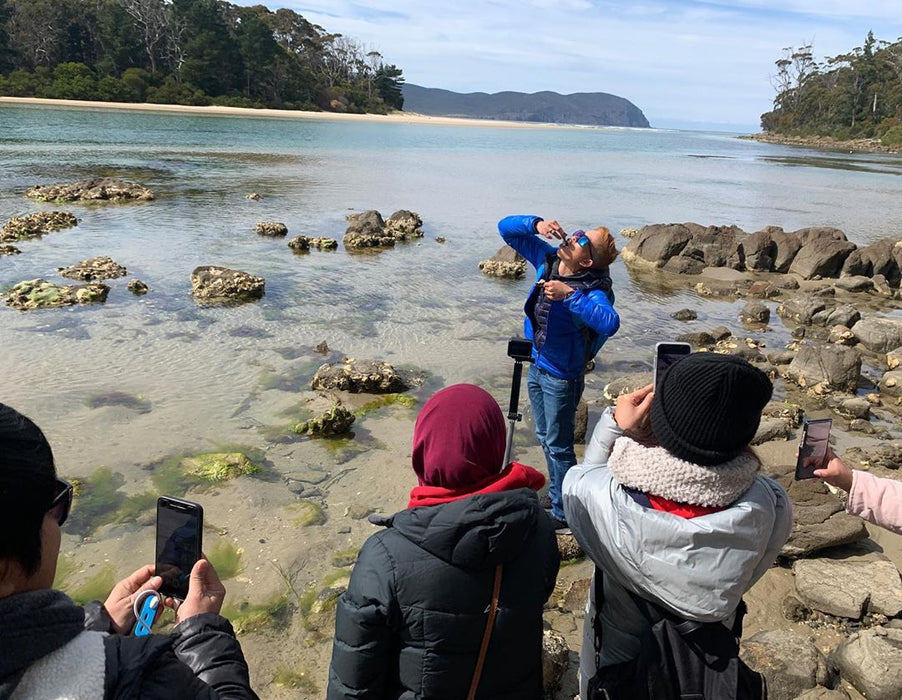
pixel 576 250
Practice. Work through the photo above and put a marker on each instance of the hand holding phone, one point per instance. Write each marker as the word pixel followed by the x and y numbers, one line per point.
pixel 813 447
pixel 665 355
pixel 179 543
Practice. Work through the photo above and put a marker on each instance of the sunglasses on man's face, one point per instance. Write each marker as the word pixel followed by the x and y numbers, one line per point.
pixel 62 501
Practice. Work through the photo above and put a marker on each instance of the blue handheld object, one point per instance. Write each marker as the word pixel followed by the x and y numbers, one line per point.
pixel 146 606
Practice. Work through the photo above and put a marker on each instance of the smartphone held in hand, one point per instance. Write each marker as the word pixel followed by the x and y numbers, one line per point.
pixel 665 355
pixel 179 543
pixel 813 447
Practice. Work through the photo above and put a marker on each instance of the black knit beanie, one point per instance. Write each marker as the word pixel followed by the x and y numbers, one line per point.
pixel 708 406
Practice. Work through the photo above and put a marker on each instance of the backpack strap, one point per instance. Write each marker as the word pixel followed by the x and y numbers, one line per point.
pixel 596 619
pixel 487 635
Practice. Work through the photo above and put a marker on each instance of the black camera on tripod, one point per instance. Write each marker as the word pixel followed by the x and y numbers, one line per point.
pixel 520 349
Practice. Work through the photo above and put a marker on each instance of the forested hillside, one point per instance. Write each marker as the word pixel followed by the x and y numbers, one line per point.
pixel 851 96
pixel 187 52
pixel 597 108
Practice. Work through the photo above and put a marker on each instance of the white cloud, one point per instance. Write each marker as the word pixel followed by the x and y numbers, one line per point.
pixel 705 60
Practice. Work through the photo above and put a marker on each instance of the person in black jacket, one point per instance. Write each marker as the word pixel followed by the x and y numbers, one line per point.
pixel 418 605
pixel 50 647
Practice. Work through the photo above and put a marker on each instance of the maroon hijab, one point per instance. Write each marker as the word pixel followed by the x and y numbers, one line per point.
pixel 458 447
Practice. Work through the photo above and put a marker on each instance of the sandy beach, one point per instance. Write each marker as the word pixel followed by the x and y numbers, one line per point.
pixel 217 111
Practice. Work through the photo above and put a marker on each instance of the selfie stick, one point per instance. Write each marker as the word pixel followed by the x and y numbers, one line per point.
pixel 513 415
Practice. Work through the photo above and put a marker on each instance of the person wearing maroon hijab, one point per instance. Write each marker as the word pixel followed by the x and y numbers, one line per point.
pixel 446 601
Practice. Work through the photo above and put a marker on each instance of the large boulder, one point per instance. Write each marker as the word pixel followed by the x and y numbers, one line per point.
pixel 657 243
pixel 843 315
pixel 831 366
pixel 879 334
pixel 872 662
pixel 820 520
pixel 717 246
pixel 819 233
pixel 760 251
pixel 755 312
pixel 801 309
pixel 891 384
pixel 367 230
pixel 40 294
pixel 790 662
pixel 875 259
pixel 211 283
pixel 506 263
pixel 100 268
pixel 35 225
pixel 359 376
pixel 788 246
pixel 821 257
pixel 404 224
pixel 97 189
pixel 849 588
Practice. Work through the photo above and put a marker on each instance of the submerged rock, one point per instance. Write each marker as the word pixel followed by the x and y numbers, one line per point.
pixel 271 228
pixel 359 376
pixel 40 294
pixel 335 421
pixel 6 249
pixel 253 196
pixel 322 243
pixel 299 244
pixel 100 268
pixel 507 263
pixel 137 287
pixel 96 189
pixel 219 466
pixel 35 225
pixel 217 284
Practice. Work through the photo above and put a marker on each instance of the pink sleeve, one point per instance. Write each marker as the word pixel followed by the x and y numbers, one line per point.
pixel 878 501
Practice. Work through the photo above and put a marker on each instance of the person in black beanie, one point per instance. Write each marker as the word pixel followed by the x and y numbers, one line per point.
pixel 670 506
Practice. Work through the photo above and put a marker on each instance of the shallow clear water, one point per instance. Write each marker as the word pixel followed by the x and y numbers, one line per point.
pixel 206 370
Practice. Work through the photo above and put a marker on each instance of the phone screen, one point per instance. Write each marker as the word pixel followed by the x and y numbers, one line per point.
pixel 813 450
pixel 665 355
pixel 179 527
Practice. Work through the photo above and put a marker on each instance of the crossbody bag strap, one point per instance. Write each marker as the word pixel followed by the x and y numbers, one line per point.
pixel 489 625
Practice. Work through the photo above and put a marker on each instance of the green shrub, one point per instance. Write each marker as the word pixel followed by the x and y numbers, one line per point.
pixel 893 137
pixel 172 92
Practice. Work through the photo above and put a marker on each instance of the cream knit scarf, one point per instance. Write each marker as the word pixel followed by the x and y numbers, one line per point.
pixel 655 471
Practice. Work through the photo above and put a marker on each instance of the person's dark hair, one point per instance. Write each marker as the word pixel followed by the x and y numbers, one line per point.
pixel 27 478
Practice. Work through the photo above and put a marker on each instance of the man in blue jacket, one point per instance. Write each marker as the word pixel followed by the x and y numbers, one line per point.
pixel 569 315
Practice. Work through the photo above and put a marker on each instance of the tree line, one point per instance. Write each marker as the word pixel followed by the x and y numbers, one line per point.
pixel 854 95
pixel 194 52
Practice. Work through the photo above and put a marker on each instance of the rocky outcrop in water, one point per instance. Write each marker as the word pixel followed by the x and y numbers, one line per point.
pixel 7 249
pixel 367 230
pixel 40 294
pixel 507 263
pixel 222 284
pixel 810 253
pixel 98 189
pixel 100 268
pixel 359 376
pixel 335 421
pixel 404 224
pixel 273 229
pixel 35 225
pixel 137 287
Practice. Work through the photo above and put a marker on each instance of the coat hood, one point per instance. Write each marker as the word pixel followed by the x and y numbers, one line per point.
pixel 475 532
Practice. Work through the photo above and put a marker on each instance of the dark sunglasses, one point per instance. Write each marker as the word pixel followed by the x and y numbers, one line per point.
pixel 62 501
pixel 582 240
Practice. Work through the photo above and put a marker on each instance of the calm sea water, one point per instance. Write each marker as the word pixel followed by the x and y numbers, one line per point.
pixel 212 374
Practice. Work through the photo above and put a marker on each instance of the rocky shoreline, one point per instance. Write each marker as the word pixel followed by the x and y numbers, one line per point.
pixel 826 143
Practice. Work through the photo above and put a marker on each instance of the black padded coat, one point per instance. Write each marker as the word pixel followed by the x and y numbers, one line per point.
pixel 412 620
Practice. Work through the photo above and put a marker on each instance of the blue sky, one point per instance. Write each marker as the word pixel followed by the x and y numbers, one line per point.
pixel 685 64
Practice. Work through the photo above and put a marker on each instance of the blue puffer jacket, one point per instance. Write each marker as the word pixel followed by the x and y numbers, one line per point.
pixel 576 327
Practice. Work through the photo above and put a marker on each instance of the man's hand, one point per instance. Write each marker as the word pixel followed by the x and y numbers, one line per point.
pixel 121 599
pixel 551 229
pixel 836 473
pixel 205 592
pixel 631 411
pixel 557 290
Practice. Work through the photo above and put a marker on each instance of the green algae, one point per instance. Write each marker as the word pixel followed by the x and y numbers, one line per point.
pixel 226 558
pixel 97 500
pixel 97 587
pixel 295 680
pixel 248 618
pixel 384 401
pixel 215 467
pixel 345 557
pixel 178 474
pixel 308 513
pixel 65 567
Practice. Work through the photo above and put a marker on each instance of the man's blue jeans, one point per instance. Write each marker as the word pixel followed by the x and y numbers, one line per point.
pixel 554 411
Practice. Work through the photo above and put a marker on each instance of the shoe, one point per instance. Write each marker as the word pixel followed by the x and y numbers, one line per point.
pixel 545 501
pixel 560 526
